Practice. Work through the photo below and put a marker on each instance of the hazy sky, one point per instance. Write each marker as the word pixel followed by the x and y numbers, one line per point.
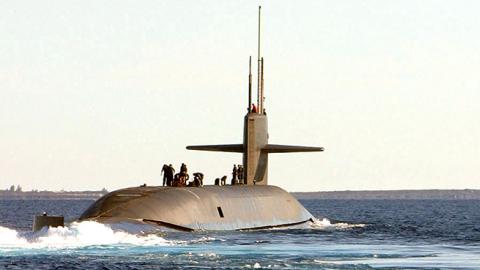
pixel 102 93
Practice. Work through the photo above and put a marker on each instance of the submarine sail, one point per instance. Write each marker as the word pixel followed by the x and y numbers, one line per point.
pixel 255 147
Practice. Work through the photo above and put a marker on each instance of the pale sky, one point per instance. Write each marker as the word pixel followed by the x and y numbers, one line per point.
pixel 100 94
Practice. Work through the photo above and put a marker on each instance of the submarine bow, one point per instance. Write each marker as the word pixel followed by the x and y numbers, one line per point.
pixel 238 207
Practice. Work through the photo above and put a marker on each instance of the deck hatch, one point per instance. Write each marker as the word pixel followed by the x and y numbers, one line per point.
pixel 220 212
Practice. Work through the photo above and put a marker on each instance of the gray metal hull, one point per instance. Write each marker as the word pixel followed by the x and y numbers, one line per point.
pixel 239 207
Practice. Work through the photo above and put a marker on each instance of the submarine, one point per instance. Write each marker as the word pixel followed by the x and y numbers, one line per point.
pixel 249 205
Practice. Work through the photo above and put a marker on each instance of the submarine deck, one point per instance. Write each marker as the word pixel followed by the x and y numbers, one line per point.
pixel 238 207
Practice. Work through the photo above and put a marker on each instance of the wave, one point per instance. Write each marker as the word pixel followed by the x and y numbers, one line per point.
pixel 76 235
pixel 90 233
pixel 326 224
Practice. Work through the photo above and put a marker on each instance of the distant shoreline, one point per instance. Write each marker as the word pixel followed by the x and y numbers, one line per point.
pixel 430 194
pixel 427 194
pixel 51 195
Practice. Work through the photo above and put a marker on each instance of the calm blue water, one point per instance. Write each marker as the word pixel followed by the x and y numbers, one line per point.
pixel 377 234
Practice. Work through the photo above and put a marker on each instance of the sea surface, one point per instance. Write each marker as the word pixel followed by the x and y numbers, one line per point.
pixel 348 234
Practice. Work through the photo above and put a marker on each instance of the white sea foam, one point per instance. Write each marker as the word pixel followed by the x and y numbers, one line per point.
pixel 325 223
pixel 256 265
pixel 76 235
pixel 90 233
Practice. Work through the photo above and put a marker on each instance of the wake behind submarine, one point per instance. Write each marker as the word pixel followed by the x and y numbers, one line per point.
pixel 249 205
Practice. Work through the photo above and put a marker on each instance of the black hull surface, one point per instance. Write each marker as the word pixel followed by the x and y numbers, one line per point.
pixel 239 207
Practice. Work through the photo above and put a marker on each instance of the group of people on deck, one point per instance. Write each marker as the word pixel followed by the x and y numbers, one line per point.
pixel 180 179
pixel 170 179
pixel 237 177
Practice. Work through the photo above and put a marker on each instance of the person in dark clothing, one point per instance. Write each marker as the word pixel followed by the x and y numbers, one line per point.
pixel 254 108
pixel 223 180
pixel 240 174
pixel 198 179
pixel 171 172
pixel 164 169
pixel 183 168
pixel 168 171
pixel 183 174
pixel 234 175
pixel 176 180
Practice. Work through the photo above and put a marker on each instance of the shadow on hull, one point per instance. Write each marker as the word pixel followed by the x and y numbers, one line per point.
pixel 201 208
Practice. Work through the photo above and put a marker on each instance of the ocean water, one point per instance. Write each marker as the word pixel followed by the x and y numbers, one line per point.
pixel 348 234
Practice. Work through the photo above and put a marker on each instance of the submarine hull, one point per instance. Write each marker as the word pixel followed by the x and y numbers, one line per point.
pixel 239 207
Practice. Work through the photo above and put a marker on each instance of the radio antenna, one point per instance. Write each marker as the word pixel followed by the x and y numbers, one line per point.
pixel 261 88
pixel 259 95
pixel 250 85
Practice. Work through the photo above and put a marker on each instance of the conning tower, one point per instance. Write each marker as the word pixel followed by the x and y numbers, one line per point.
pixel 255 146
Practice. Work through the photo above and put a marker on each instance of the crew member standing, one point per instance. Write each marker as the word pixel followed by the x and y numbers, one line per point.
pixel 164 172
pixel 234 174
pixel 183 168
pixel 168 172
pixel 254 108
pixel 183 174
pixel 240 174
pixel 171 172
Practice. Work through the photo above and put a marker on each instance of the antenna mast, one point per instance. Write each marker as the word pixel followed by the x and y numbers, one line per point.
pixel 250 85
pixel 259 89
